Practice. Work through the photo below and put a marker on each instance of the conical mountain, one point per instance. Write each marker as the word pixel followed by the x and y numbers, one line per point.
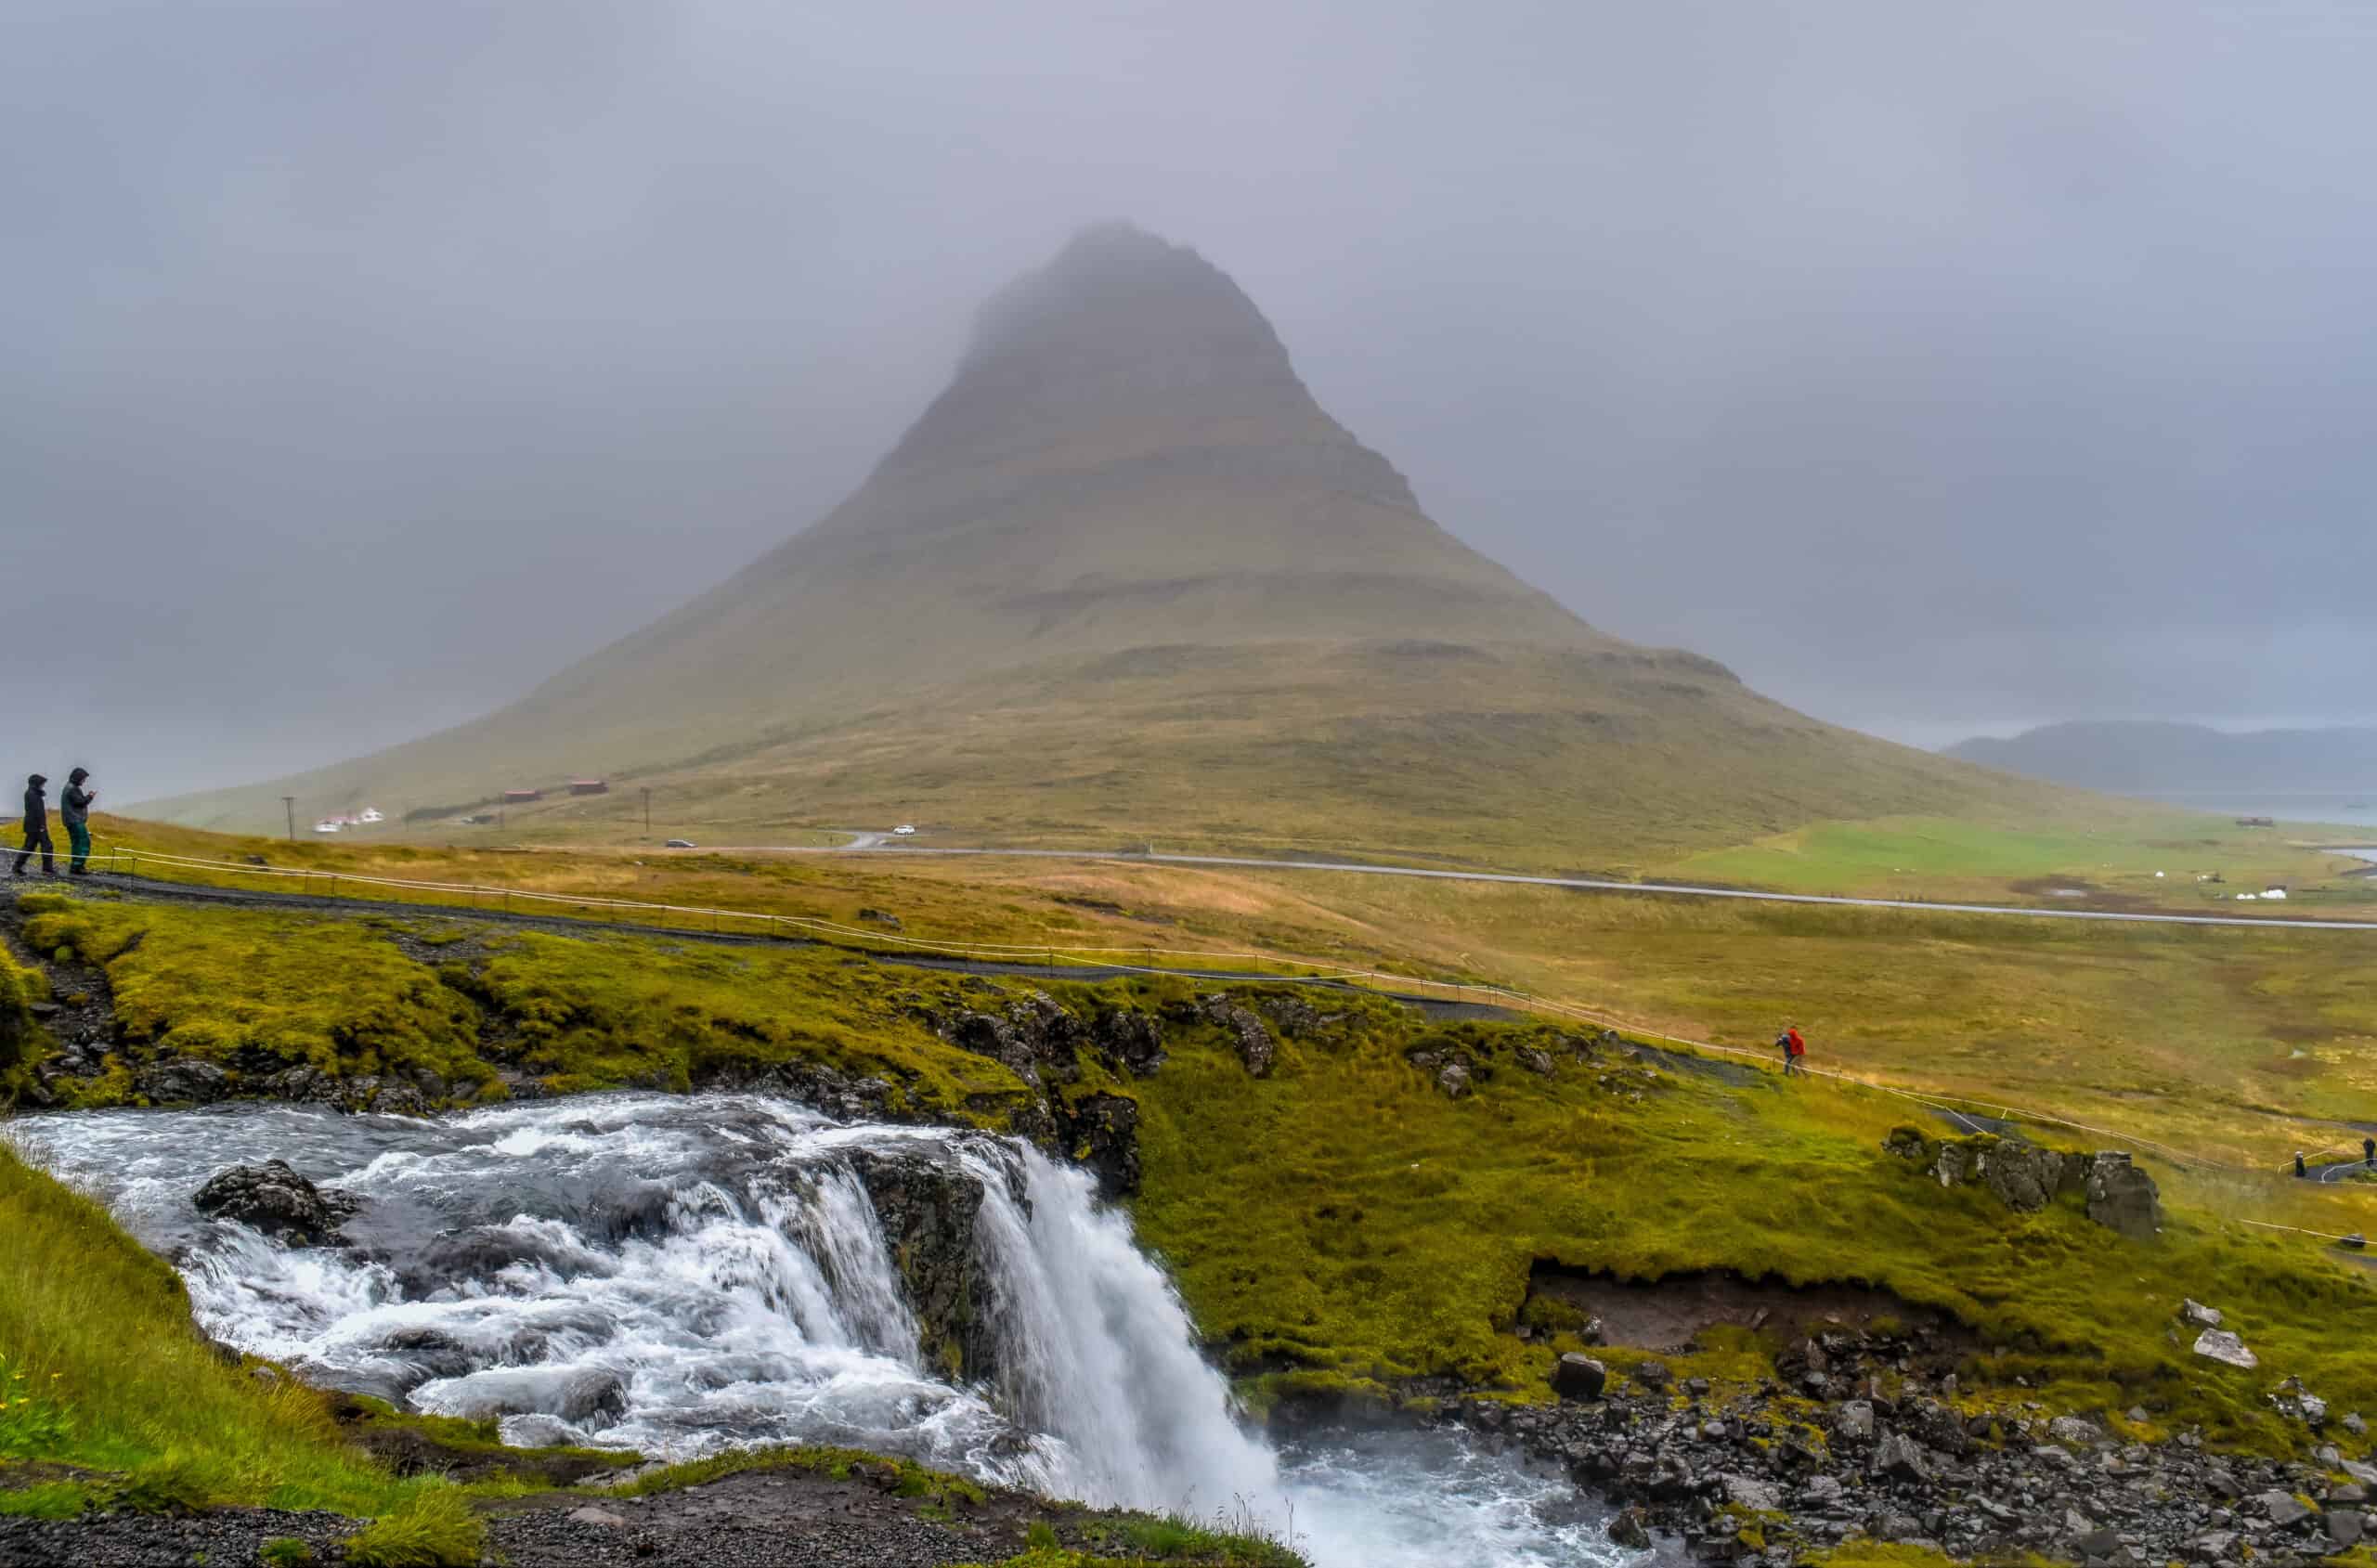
pixel 1124 458
pixel 1124 574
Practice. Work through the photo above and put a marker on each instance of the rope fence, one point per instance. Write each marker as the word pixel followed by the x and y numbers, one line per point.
pixel 159 866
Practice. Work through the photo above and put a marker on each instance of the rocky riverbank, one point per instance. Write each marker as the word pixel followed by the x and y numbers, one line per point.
pixel 1865 1434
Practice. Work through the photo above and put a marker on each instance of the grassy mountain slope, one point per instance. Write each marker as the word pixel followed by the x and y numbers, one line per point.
pixel 1125 576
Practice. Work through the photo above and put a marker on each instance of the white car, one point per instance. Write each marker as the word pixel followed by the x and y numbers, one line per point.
pixel 905 830
pixel 326 827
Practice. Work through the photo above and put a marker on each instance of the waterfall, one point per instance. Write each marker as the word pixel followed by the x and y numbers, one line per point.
pixel 1097 1351
pixel 681 1274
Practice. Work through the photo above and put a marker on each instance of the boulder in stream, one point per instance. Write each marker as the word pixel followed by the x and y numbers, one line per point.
pixel 275 1199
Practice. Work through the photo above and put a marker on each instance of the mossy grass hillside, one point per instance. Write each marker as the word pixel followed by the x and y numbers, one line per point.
pixel 1340 1223
pixel 2235 1045
pixel 1343 1223
pixel 258 992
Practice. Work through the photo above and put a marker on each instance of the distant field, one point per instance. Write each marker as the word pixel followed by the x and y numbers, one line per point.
pixel 2112 864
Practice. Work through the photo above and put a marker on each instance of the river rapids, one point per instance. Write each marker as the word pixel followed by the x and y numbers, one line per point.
pixel 681 1274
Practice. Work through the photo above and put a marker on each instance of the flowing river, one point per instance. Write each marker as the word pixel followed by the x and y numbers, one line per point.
pixel 679 1274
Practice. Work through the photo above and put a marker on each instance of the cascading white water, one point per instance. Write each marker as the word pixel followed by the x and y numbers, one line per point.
pixel 681 1274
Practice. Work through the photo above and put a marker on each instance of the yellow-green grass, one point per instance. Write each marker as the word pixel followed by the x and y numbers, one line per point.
pixel 2228 1042
pixel 2219 1038
pixel 909 1479
pixel 1344 1221
pixel 112 1395
pixel 2113 862
pixel 260 990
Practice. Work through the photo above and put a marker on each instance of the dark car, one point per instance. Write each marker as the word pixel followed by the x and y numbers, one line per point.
pixel 678 844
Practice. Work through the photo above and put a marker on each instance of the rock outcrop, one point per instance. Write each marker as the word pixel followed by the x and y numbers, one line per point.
pixel 1127 1041
pixel 929 1207
pixel 1035 1039
pixel 178 1080
pixel 275 1199
pixel 2116 1193
pixel 1248 1034
pixel 1101 1134
pixel 2123 1198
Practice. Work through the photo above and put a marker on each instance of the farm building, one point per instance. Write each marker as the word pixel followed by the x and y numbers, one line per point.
pixel 522 796
pixel 588 786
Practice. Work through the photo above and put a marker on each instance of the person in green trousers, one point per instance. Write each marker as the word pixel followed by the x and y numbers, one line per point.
pixel 74 810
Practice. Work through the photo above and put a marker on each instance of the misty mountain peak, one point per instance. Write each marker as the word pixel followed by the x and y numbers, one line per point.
pixel 1121 325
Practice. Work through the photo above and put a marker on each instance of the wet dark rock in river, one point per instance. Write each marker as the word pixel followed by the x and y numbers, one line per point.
pixel 275 1199
pixel 929 1207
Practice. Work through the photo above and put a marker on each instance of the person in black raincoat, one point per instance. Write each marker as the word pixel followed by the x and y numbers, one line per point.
pixel 37 828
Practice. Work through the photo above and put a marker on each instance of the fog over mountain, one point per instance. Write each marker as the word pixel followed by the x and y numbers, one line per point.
pixel 1124 577
pixel 2144 758
pixel 1935 370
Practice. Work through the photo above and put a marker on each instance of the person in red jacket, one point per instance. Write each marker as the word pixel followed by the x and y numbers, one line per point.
pixel 1794 1048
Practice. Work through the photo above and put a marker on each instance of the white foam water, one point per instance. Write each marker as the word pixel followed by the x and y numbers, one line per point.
pixel 679 1274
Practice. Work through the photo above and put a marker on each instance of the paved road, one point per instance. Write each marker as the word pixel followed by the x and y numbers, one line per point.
pixel 875 843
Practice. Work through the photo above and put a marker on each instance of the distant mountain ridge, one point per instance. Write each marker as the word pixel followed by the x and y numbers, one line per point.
pixel 1124 576
pixel 2133 757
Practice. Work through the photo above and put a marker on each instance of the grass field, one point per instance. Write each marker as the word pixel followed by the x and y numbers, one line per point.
pixel 2237 1042
pixel 1337 1224
pixel 2112 865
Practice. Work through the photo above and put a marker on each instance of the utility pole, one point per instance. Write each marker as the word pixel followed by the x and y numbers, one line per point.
pixel 648 812
pixel 289 805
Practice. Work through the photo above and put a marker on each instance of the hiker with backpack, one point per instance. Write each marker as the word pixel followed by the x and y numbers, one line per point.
pixel 1793 1048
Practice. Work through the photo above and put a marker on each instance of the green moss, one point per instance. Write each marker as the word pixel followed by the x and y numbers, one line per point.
pixel 257 991
pixel 913 1481
pixel 609 1012
pixel 1344 1216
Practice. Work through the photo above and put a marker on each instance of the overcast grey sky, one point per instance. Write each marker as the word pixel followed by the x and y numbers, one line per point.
pixel 1939 367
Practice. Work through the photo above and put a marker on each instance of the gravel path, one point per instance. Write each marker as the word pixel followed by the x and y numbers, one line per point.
pixel 760 1519
pixel 222 1538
